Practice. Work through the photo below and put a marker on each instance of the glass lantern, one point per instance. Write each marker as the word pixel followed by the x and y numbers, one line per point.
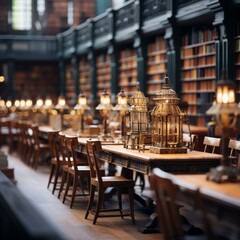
pixel 167 122
pixel 226 111
pixel 138 120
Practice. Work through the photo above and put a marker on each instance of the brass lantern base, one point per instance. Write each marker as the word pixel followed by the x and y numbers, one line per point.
pixel 161 150
pixel 223 174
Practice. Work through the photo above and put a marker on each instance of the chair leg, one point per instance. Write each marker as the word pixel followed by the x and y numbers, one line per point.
pixel 64 174
pixel 75 183
pixel 51 174
pixel 99 204
pixel 90 201
pixel 36 159
pixel 57 168
pixel 131 203
pixel 67 187
pixel 120 201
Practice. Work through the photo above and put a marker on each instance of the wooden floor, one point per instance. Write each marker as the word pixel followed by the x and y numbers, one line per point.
pixel 70 222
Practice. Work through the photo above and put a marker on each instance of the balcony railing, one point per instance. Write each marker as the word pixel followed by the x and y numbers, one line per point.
pixel 28 47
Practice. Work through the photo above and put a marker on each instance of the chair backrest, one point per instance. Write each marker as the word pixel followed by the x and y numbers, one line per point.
pixel 54 144
pixel 211 143
pixel 71 142
pixel 234 146
pixel 190 141
pixel 94 147
pixel 63 149
pixel 35 136
pixel 165 194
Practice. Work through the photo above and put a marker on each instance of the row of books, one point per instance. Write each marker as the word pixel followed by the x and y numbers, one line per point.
pixel 157 59
pixel 198 50
pixel 199 62
pixel 195 74
pixel 195 35
pixel 156 68
pixel 158 45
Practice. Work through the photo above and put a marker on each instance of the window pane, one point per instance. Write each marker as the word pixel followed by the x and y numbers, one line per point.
pixel 22 14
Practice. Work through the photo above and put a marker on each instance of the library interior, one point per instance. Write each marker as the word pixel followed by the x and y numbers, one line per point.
pixel 119 119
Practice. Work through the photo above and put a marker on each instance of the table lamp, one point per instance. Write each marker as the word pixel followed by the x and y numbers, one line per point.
pixel 104 108
pixel 61 107
pixel 122 107
pixel 80 108
pixel 225 109
pixel 167 122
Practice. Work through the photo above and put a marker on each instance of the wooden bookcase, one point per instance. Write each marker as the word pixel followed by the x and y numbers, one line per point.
pixel 237 59
pixel 198 72
pixel 103 69
pixel 128 70
pixel 156 65
pixel 84 76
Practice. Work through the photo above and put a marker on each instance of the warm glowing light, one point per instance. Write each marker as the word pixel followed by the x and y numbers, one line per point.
pixel 2 79
pixel 9 103
pixel 105 99
pixel 48 102
pixel 39 102
pixel 28 103
pixel 17 103
pixel 2 103
pixel 22 103
pixel 61 101
pixel 82 100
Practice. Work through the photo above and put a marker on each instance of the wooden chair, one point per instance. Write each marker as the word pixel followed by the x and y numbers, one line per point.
pixel 77 171
pixel 69 164
pixel 41 149
pixel 166 193
pixel 100 182
pixel 234 146
pixel 5 131
pixel 190 142
pixel 14 135
pixel 57 160
pixel 211 143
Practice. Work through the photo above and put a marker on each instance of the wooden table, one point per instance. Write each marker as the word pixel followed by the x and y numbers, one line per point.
pixel 144 162
pixel 221 200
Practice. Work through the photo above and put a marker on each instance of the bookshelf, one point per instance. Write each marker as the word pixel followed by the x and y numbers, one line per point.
pixel 103 70
pixel 156 65
pixel 84 76
pixel 198 74
pixel 128 70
